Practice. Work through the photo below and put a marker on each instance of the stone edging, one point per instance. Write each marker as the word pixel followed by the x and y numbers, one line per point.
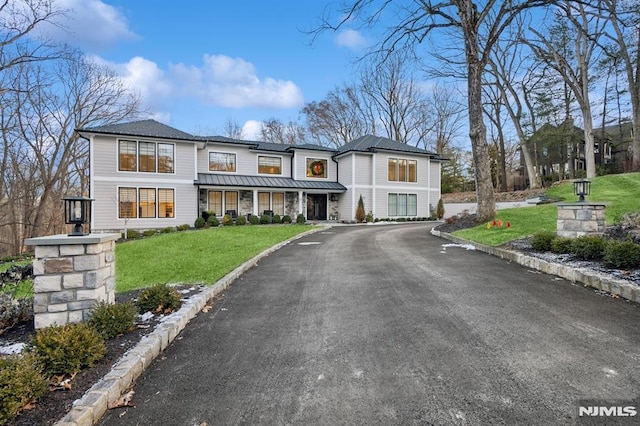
pixel 593 279
pixel 91 407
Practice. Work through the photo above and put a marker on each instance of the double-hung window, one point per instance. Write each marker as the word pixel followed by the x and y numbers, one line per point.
pixel 402 204
pixel 222 162
pixel 402 170
pixel 149 157
pixel 269 165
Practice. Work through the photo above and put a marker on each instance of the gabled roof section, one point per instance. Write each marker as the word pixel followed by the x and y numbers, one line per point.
pixel 143 128
pixel 370 143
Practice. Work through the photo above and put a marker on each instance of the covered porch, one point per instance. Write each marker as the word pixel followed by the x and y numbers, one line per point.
pixel 256 195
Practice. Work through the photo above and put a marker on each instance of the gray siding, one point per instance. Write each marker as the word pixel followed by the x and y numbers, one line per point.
pixel 246 159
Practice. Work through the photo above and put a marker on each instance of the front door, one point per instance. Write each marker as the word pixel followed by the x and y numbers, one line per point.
pixel 317 206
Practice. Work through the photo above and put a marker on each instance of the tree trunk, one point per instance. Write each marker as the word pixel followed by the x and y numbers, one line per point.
pixel 478 133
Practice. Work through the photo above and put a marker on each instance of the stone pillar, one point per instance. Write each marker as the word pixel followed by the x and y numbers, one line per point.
pixel 72 274
pixel 578 219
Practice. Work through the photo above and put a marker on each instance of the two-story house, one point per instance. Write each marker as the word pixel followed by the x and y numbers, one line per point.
pixel 149 175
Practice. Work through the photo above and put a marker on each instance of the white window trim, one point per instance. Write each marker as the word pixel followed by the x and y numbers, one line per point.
pixel 269 156
pixel 137 171
pixel 219 151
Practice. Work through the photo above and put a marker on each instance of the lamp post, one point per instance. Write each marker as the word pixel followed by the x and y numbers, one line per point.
pixel 581 188
pixel 77 212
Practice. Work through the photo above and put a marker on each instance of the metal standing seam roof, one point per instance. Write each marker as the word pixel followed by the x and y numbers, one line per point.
pixel 244 181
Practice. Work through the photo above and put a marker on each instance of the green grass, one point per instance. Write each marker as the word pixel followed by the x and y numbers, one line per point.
pixel 618 192
pixel 23 289
pixel 202 256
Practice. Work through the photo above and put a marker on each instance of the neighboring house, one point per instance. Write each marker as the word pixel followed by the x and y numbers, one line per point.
pixel 145 175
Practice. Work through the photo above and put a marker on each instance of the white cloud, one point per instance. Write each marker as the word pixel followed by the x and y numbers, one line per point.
pixel 233 83
pixel 351 39
pixel 89 24
pixel 251 130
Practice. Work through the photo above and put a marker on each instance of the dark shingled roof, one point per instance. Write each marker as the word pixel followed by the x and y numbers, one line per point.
pixel 267 182
pixel 370 143
pixel 148 128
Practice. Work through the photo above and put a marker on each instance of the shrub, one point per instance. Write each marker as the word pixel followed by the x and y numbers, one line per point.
pixel 588 247
pixel 131 234
pixel 286 219
pixel 276 219
pixel 300 220
pixel 159 298
pixel 369 217
pixel 255 220
pixel 183 227
pixel 112 319
pixel 622 254
pixel 360 212
pixel 68 348
pixel 14 311
pixel 149 232
pixel 199 223
pixel 207 214
pixel 21 384
pixel 440 209
pixel 168 230
pixel 213 221
pixel 451 220
pixel 241 220
pixel 561 245
pixel 265 219
pixel 227 220
pixel 541 240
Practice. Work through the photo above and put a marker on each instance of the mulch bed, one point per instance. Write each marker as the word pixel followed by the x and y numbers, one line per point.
pixel 56 404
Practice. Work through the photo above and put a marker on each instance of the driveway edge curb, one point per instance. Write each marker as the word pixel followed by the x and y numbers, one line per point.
pixel 592 279
pixel 94 403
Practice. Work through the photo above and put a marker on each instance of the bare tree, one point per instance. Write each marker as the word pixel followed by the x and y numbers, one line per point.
pixel 339 118
pixel 577 75
pixel 50 103
pixel 233 130
pixel 478 28
pixel 624 47
pixel 447 119
pixel 275 131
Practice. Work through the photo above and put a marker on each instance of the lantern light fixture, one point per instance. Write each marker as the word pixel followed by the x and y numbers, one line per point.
pixel 77 212
pixel 581 188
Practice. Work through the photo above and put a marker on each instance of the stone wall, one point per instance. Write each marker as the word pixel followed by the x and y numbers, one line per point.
pixel 72 274
pixel 579 219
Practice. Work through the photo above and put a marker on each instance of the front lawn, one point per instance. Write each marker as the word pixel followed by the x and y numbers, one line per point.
pixel 202 256
pixel 618 192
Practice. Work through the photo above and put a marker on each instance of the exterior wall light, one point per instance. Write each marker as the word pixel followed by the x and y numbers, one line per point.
pixel 77 212
pixel 581 188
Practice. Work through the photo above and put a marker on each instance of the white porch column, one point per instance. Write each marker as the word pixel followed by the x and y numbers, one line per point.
pixel 300 193
pixel 255 203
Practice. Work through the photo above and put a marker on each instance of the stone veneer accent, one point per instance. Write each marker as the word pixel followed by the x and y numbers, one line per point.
pixel 579 219
pixel 72 274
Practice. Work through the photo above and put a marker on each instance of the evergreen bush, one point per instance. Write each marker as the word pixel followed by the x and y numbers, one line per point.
pixel 113 319
pixel 241 220
pixel 286 219
pixel 159 299
pixel 21 384
pixel 227 220
pixel 300 220
pixel 588 247
pixel 68 348
pixel 360 212
pixel 541 240
pixel 276 219
pixel 213 221
pixel 561 245
pixel 440 209
pixel 255 220
pixel 265 219
pixel 183 227
pixel 199 223
pixel 622 254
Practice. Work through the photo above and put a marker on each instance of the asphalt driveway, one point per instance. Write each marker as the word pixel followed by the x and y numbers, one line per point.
pixel 385 325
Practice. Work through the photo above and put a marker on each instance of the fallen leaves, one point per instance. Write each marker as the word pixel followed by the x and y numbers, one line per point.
pixel 123 401
pixel 62 382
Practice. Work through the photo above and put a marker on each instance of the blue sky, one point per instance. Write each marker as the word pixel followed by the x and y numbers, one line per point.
pixel 199 63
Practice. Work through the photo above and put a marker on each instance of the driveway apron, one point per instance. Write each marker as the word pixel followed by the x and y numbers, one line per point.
pixel 391 325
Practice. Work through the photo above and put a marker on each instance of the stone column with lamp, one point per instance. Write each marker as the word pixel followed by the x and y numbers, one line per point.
pixel 73 272
pixel 580 218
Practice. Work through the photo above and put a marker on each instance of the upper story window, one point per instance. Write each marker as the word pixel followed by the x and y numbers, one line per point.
pixel 269 165
pixel 134 156
pixel 316 168
pixel 403 170
pixel 222 162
